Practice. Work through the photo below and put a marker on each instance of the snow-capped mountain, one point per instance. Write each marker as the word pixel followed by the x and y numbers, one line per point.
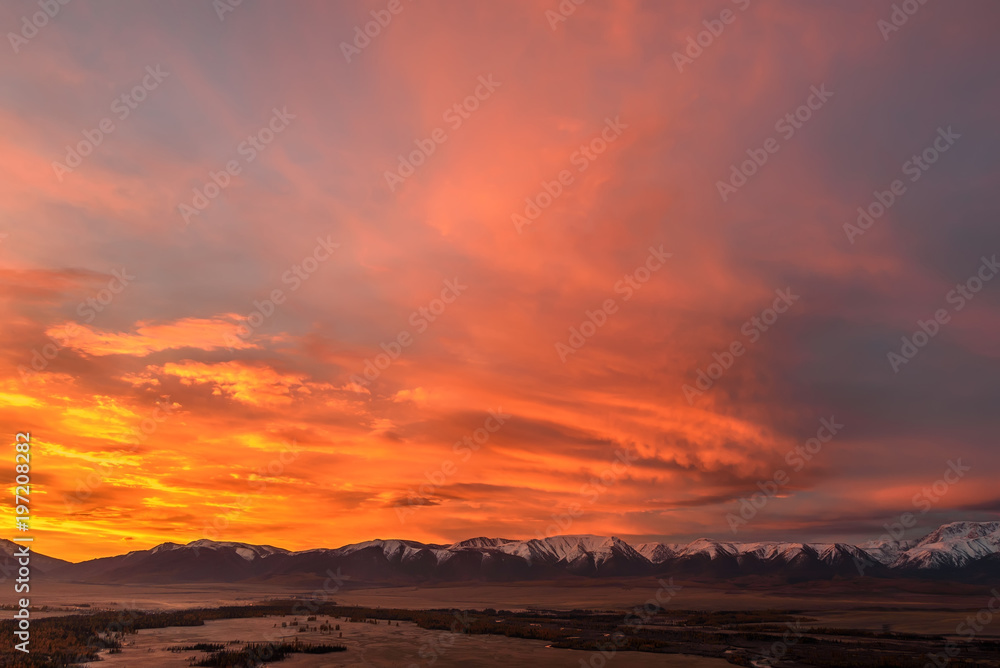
pixel 575 553
pixel 960 551
pixel 886 550
pixel 395 551
pixel 712 549
pixel 952 546
pixel 586 555
pixel 657 553
pixel 488 543
pixel 244 550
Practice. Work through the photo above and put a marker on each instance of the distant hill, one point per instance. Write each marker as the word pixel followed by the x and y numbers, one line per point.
pixel 39 563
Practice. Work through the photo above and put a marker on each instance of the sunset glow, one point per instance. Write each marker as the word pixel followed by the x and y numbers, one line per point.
pixel 482 271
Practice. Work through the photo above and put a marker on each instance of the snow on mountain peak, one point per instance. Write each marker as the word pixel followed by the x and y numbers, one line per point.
pixel 706 546
pixel 244 550
pixel 949 546
pixel 787 551
pixel 963 531
pixel 657 552
pixel 953 545
pixel 481 542
pixel 555 549
pixel 393 549
pixel 163 547
pixel 886 551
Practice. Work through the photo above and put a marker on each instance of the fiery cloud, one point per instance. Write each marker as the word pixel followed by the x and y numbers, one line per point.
pixel 235 360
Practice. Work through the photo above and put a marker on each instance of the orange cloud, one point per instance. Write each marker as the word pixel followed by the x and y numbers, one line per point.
pixel 252 384
pixel 149 337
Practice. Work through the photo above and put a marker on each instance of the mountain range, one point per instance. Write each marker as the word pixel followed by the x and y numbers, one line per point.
pixel 960 551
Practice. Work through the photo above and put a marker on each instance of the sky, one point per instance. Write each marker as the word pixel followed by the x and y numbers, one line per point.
pixel 489 270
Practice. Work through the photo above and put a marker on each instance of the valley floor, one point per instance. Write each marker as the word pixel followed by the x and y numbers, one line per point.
pixel 910 606
pixel 835 616
pixel 403 646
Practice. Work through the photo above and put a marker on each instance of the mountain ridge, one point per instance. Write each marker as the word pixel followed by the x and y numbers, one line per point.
pixel 965 551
